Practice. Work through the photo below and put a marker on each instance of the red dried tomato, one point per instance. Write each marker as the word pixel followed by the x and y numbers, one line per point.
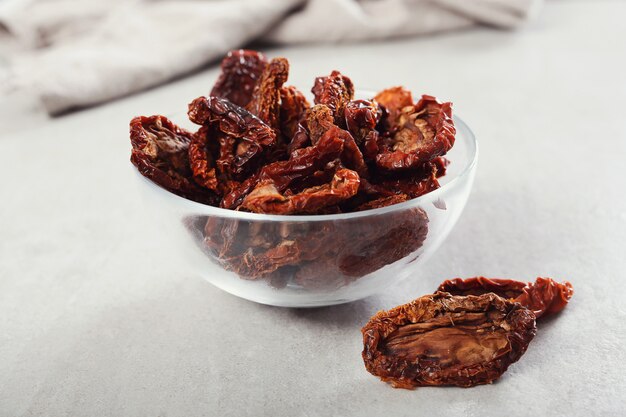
pixel 394 99
pixel 160 153
pixel 243 136
pixel 545 296
pixel 362 116
pixel 241 70
pixel 202 160
pixel 423 133
pixel 265 102
pixel 335 91
pixel 383 202
pixel 506 288
pixel 443 339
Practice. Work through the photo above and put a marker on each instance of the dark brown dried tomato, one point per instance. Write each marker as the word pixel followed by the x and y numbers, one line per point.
pixel 394 99
pixel 293 106
pixel 201 160
pixel 224 236
pixel 506 288
pixel 290 251
pixel 440 164
pixel 299 140
pixel 371 145
pixel 320 255
pixel 351 156
pixel 383 202
pixel 256 265
pixel 443 339
pixel 243 136
pixel 544 297
pixel 262 250
pixel 413 185
pixel 373 191
pixel 238 191
pixel 319 120
pixel 362 116
pixel 241 70
pixel 423 133
pixel 386 241
pixel 335 91
pixel 265 102
pixel 160 153
pixel 323 176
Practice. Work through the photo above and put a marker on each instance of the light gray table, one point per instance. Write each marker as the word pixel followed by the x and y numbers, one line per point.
pixel 96 319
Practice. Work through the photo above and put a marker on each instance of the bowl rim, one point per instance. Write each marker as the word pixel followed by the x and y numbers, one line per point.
pixel 243 215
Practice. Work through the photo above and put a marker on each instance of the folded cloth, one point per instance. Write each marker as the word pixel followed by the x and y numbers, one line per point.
pixel 74 54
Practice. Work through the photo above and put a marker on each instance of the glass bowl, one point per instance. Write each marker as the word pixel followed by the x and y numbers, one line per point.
pixel 326 259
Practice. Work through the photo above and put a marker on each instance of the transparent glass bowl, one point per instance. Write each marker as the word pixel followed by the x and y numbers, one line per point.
pixel 327 259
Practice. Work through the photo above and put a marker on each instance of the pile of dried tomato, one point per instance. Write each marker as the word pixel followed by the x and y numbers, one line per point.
pixel 262 148
pixel 465 334
pixel 322 255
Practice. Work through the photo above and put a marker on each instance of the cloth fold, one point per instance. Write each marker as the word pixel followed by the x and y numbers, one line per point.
pixel 73 54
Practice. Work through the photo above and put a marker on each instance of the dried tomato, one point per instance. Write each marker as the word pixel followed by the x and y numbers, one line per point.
pixel 506 288
pixel 440 164
pixel 335 91
pixel 265 102
pixel 241 70
pixel 413 184
pixel 394 99
pixel 319 119
pixel 301 251
pixel 238 191
pixel 351 156
pixel 305 161
pixel 383 202
pixel 263 149
pixel 266 198
pixel 371 145
pixel 293 106
pixel 243 136
pixel 256 265
pixel 223 235
pixel 384 241
pixel 361 117
pixel 443 339
pixel 424 132
pixel 290 251
pixel 160 153
pixel 262 250
pixel 545 296
pixel 202 160
pixel 299 140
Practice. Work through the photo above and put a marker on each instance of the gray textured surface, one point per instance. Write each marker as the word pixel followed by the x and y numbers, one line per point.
pixel 96 320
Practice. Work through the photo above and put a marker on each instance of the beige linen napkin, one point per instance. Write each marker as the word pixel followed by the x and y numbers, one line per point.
pixel 77 53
